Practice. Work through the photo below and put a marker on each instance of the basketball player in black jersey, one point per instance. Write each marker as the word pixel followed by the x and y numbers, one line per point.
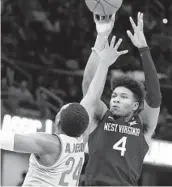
pixel 118 142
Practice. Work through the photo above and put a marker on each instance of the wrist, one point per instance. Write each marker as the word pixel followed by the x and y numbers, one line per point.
pixel 100 42
pixel 143 45
pixel 143 49
pixel 102 36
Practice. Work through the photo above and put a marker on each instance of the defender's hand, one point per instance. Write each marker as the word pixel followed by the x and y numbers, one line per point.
pixel 104 25
pixel 110 54
pixel 138 38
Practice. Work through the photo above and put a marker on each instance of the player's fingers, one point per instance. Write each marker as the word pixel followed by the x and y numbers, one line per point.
pixel 95 18
pixel 106 44
pixel 141 16
pixel 112 43
pixel 113 18
pixel 118 44
pixel 141 23
pixel 132 23
pixel 123 52
pixel 129 34
pixel 103 18
pixel 138 18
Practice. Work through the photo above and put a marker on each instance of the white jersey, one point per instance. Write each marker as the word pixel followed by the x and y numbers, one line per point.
pixel 65 172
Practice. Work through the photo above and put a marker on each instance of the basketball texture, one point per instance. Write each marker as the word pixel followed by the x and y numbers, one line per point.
pixel 103 7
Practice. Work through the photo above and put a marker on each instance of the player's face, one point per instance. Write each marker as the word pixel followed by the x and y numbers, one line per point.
pixel 122 102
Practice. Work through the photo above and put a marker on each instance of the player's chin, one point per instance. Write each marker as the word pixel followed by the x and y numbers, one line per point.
pixel 116 112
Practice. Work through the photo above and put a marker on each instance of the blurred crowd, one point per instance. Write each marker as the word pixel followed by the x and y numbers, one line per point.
pixel 46 44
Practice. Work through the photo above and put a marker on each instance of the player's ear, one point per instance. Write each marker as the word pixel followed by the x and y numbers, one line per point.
pixel 135 106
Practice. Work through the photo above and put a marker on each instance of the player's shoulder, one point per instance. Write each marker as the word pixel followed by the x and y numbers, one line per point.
pixel 52 139
pixel 47 136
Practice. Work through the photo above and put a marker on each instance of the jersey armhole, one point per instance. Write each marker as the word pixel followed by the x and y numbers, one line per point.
pixel 107 113
pixel 144 130
pixel 143 125
pixel 100 121
pixel 58 158
pixel 61 149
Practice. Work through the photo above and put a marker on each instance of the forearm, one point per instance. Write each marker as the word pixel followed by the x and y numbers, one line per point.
pixel 153 96
pixel 92 64
pixel 97 85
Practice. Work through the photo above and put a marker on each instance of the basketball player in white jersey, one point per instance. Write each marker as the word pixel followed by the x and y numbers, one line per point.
pixel 56 159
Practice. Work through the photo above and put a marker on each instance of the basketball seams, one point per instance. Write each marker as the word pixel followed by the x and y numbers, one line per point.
pixel 103 9
pixel 110 4
pixel 98 2
pixel 106 7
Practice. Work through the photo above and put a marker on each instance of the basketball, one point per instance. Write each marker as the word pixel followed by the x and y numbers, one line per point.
pixel 103 7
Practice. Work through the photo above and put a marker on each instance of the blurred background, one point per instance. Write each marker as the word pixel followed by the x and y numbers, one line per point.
pixel 45 47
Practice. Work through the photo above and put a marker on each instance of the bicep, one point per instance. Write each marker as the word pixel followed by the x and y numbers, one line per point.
pixel 149 116
pixel 33 143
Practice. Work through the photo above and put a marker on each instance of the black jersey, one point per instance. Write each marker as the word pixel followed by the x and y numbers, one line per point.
pixel 116 152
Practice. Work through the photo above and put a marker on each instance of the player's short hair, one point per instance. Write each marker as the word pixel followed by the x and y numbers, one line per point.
pixel 74 120
pixel 136 87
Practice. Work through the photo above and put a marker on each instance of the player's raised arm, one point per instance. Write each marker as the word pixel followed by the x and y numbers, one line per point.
pixel 103 28
pixel 39 143
pixel 152 102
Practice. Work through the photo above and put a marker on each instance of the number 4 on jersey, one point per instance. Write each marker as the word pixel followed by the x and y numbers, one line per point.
pixel 121 148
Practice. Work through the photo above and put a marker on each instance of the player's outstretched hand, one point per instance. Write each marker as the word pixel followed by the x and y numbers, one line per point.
pixel 138 38
pixel 110 54
pixel 104 24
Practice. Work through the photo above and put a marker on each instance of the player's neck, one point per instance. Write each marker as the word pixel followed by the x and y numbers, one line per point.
pixel 126 119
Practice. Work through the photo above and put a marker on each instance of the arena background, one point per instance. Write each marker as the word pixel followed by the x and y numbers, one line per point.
pixel 45 47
